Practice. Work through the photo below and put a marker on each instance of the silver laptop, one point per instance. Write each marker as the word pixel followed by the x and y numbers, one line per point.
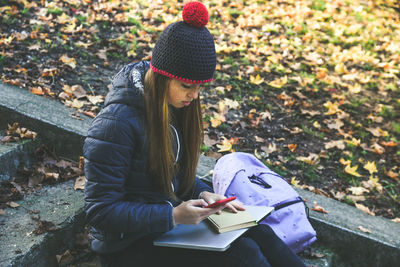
pixel 202 237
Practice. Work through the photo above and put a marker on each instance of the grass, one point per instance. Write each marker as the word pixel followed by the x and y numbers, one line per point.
pixel 318 5
pixel 310 131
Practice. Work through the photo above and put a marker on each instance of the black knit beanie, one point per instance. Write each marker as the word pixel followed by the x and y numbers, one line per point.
pixel 185 50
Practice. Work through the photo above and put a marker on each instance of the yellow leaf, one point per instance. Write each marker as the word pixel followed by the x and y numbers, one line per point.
pixel 341 68
pixel 376 184
pixel 352 170
pixel 256 80
pixel 217 120
pixel 354 89
pixel 345 162
pixel 63 18
pixel 226 145
pixel 333 108
pixel 278 83
pixel 370 167
pixel 312 159
pixel 353 141
pixel 316 124
pixel 294 182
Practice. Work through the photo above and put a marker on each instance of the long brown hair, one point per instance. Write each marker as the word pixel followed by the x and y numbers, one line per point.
pixel 162 163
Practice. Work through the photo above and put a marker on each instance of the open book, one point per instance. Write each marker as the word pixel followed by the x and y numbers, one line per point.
pixel 228 221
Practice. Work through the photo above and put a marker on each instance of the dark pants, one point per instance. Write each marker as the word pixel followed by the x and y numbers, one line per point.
pixel 258 247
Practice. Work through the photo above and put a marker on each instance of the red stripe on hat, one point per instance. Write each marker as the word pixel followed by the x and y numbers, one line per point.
pixel 163 72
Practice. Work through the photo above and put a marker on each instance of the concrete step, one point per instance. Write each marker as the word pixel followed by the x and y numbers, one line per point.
pixel 338 231
pixel 16 155
pixel 20 245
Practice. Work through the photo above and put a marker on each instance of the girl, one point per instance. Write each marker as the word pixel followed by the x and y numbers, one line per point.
pixel 141 154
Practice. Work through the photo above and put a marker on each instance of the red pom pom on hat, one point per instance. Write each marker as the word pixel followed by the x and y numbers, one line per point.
pixel 195 14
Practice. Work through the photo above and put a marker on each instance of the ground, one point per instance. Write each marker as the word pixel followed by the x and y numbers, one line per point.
pixel 310 87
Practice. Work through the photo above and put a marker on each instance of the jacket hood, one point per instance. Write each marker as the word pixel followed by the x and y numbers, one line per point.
pixel 127 85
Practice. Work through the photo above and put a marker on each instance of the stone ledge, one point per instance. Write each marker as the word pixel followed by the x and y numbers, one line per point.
pixel 16 155
pixel 338 229
pixel 59 204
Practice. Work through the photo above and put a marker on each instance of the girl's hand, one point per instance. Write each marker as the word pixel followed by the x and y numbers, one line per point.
pixel 192 211
pixel 234 206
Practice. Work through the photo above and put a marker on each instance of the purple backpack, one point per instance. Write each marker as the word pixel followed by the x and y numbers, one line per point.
pixel 244 176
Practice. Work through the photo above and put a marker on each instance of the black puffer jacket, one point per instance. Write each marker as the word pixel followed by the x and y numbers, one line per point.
pixel 120 203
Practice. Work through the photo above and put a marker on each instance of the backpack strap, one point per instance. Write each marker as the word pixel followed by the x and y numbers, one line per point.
pixel 288 203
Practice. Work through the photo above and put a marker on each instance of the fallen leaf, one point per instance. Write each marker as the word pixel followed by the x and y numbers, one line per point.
pixel 335 143
pixel 65 258
pixel 363 229
pixel 89 113
pixel 377 148
pixel 270 148
pixel 227 145
pixel 81 163
pixel 278 83
pixel 339 195
pixel 80 183
pixel 377 132
pixel 319 208
pixel 3 211
pixel 358 191
pixel 389 144
pixel 49 175
pixel 49 72
pixel 12 204
pixel 333 108
pixel 95 99
pixel 266 115
pixel 256 80
pixel 352 170
pixel 397 220
pixel 75 90
pixel 231 104
pixel 292 147
pixel 355 198
pixel 312 159
pixel 364 208
pixel 37 90
pixel 316 124
pixel 392 174
pixel 370 167
pixel 294 182
pixel 353 141
pixel 68 61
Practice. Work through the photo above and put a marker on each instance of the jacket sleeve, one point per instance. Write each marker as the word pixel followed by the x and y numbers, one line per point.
pixel 200 186
pixel 108 151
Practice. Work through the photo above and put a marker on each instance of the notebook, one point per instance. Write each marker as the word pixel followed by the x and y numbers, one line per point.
pixel 203 237
pixel 228 221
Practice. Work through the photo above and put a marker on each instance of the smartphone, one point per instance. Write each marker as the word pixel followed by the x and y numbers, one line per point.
pixel 220 202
